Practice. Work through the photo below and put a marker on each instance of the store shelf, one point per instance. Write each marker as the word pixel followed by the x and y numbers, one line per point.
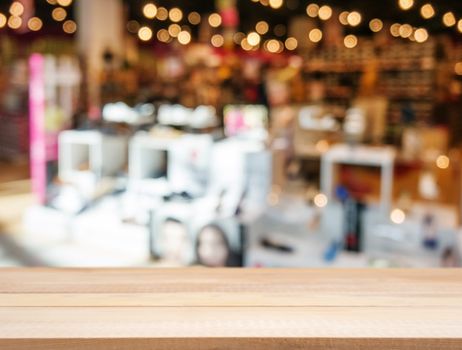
pixel 148 156
pixel 91 151
pixel 406 74
pixel 14 136
pixel 230 309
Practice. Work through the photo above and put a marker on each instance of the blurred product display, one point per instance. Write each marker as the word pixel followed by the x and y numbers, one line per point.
pixel 231 133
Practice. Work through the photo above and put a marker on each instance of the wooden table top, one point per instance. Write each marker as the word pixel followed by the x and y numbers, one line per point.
pixel 169 309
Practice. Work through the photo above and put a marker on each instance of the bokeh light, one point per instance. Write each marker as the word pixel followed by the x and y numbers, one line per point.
pixel 175 14
pixel 262 27
pixel 312 10
pixel 315 35
pixel 320 200
pixel 253 39
pixel 163 35
pixel 150 10
pixel 397 216
pixel 194 18
pixel 354 19
pixel 427 11
pixel 343 18
pixel 443 162
pixel 449 20
pixel 35 24
pixel 59 14
pixel 174 30
pixel 14 22
pixel 394 29
pixel 3 20
pixel 215 20
pixel 217 40
pixel 421 35
pixel 406 4
pixel 376 25
pixel 145 33
pixel 184 37
pixel 16 9
pixel 64 3
pixel 69 27
pixel 325 12
pixel 405 31
pixel 162 14
pixel 350 41
pixel 275 4
pixel 291 44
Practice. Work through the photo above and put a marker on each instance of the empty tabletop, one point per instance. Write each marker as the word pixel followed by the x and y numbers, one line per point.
pixel 169 309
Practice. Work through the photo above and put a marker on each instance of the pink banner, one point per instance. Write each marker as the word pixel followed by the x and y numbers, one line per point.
pixel 38 145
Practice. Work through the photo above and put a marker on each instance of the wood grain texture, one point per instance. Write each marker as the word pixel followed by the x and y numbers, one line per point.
pixel 230 309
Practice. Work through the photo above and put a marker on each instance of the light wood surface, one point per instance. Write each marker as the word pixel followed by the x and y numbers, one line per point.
pixel 230 309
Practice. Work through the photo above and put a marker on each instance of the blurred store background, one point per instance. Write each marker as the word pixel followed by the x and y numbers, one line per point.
pixel 257 133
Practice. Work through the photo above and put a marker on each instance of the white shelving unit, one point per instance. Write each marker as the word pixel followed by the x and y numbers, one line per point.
pixel 90 151
pixel 383 158
pixel 148 156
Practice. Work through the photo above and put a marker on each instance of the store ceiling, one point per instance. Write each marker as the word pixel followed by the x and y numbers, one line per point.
pixel 251 12
pixel 383 8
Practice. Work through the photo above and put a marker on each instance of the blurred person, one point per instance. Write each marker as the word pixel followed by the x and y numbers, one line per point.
pixel 449 258
pixel 174 243
pixel 213 248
